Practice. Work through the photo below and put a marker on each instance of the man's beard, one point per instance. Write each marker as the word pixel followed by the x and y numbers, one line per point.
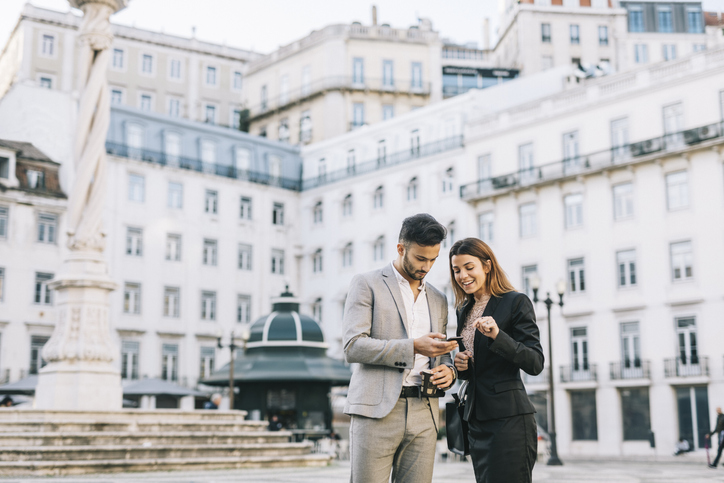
pixel 410 269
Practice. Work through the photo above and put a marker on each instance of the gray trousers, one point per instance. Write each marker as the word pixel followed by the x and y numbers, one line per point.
pixel 403 442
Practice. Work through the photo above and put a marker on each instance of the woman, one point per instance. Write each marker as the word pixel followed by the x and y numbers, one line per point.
pixel 501 337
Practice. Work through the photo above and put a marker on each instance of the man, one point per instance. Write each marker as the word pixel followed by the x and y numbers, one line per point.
pixel 274 424
pixel 393 321
pixel 719 432
pixel 214 403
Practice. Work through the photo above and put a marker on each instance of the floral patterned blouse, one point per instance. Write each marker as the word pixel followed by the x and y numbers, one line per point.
pixel 468 332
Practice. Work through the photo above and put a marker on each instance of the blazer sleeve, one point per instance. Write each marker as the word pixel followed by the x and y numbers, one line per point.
pixel 446 359
pixel 523 347
pixel 359 347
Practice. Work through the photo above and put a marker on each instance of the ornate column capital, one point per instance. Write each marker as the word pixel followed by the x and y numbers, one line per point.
pixel 116 5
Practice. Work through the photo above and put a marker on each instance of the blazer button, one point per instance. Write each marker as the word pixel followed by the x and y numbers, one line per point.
pixel 404 364
pixel 401 370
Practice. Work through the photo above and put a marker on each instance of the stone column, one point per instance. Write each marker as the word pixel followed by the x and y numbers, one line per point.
pixel 80 372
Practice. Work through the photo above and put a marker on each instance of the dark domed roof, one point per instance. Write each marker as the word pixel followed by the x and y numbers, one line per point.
pixel 285 327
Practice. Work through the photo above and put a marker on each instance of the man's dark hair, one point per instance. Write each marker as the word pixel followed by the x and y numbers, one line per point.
pixel 422 229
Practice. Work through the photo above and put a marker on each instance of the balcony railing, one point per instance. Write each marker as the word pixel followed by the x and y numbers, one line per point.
pixel 194 164
pixel 391 159
pixel 630 369
pixel 691 366
pixel 620 155
pixel 541 378
pixel 579 373
pixel 396 86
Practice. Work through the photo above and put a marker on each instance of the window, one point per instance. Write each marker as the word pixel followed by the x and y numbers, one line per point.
pixel 37 342
pixel 210 76
pixel 208 305
pixel 570 150
pixel 284 90
pixel 175 195
pixel 172 152
pixel 673 115
pixel 347 255
pixel 664 19
pixel 412 190
pixel 669 51
pixel 243 309
pixel 448 181
pixel 387 74
pixel 129 359
pixel 147 64
pixel 358 71
pixel 619 139
pixel 244 256
pixel 631 349
pixel 626 262
pixel 211 202
pixel 46 82
pixel 388 111
pixel 546 62
pixel 2 284
pixel 284 133
pixel 378 199
pixel 602 35
pixel 351 161
pixel 415 142
pixel 528 215
pixel 305 127
pixel 210 114
pixel 641 53
pixel 322 170
pixel 47 227
pixel 171 298
pixel 525 162
pixel 275 166
pixel 545 33
pixel 3 222
pixel 450 239
pixel 317 310
pixel 529 273
pixel 116 97
pixel 134 241
pixel 306 80
pixel 136 187
pixel 173 247
pixel 416 75
pixel 635 18
pixel 263 96
pixel 277 262
pixel 132 298
pixel 174 69
pixel 682 260
pixel 118 55
pixel 378 249
pixel 694 20
pixel 210 252
pixel 358 114
pixel 169 362
pixel 242 158
pixel 574 210
pixel 576 275
pixel 48 45
pixel 687 340
pixel 485 226
pixel 174 107
pixel 575 35
pixel 579 352
pixel 317 213
pixel 317 261
pixel 43 295
pixel 278 214
pixel 206 361
pixel 635 412
pixel 36 179
pixel 245 208
pixel 381 152
pixel 677 190
pixel 623 201
pixel 347 205
pixel 698 47
pixel 236 80
pixel 484 167
pixel 145 103
pixel 583 415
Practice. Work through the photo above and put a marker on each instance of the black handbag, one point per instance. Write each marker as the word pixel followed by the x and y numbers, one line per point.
pixel 456 426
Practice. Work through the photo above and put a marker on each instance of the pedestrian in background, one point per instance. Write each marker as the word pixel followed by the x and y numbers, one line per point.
pixel 274 423
pixel 214 403
pixel 719 432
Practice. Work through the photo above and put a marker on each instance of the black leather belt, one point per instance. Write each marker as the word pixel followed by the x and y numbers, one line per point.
pixel 414 391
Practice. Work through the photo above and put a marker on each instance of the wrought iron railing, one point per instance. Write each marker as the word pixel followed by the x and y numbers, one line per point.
pixel 688 366
pixel 630 369
pixel 579 373
pixel 580 164
pixel 195 164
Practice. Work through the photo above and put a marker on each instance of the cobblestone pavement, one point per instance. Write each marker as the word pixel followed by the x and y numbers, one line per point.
pixel 578 472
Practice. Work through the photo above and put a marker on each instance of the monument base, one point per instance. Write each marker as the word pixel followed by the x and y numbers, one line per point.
pixel 79 385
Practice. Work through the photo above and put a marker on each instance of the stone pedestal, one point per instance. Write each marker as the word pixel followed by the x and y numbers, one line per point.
pixel 80 372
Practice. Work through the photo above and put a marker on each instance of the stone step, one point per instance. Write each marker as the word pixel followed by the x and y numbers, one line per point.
pixel 129 426
pixel 160 452
pixel 75 467
pixel 123 416
pixel 99 438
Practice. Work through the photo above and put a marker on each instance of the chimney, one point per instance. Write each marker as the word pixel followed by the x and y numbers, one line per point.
pixel 374 14
pixel 486 34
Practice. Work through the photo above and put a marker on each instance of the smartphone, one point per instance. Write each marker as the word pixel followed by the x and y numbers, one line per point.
pixel 459 340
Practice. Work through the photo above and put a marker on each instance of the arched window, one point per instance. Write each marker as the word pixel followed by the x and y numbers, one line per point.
pixel 348 255
pixel 317 310
pixel 412 190
pixel 379 249
pixel 318 212
pixel 317 261
pixel 379 198
pixel 347 205
pixel 448 180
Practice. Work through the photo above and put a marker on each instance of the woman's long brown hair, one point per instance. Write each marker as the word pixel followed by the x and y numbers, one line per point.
pixel 496 281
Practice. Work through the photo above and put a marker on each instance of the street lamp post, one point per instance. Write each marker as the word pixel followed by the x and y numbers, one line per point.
pixel 554 460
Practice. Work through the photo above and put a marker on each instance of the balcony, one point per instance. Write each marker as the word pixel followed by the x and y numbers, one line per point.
pixel 391 159
pixel 579 373
pixel 693 366
pixel 630 369
pixel 193 164
pixel 538 380
pixel 273 105
pixel 629 154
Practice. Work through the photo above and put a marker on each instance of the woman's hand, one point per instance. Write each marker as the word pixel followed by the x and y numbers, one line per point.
pixel 461 360
pixel 487 327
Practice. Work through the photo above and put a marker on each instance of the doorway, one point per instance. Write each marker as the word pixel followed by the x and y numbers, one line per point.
pixel 693 413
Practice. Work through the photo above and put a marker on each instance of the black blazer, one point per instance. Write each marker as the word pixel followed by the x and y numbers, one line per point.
pixel 496 390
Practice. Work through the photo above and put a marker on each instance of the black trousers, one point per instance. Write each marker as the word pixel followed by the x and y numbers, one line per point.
pixel 503 450
pixel 720 437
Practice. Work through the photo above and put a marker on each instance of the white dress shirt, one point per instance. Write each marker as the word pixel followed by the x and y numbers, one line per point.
pixel 418 323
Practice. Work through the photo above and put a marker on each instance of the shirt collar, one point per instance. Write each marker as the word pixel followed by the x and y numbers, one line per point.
pixel 403 281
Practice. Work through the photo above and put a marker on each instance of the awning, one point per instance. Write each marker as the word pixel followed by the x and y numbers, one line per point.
pixel 23 386
pixel 158 387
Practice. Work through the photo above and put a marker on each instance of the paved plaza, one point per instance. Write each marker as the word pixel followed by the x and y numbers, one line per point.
pixel 588 472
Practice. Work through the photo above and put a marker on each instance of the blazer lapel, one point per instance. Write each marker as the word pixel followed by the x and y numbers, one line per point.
pixel 391 281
